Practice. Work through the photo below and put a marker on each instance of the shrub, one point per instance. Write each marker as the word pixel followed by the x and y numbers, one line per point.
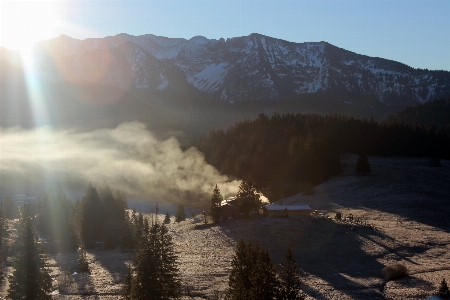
pixel 396 271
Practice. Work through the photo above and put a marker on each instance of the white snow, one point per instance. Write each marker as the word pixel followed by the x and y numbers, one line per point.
pixel 164 82
pixel 210 78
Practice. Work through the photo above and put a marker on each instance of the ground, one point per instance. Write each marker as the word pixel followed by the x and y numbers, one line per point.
pixel 404 213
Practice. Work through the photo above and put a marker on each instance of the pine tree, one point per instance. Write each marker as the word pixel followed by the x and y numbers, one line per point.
pixel 215 209
pixel 289 276
pixel 30 279
pixel 252 274
pixel 9 208
pixel 247 199
pixel 55 219
pixel 264 280
pixel 127 287
pixel 92 217
pixel 363 165
pixel 180 215
pixel 82 263
pixel 3 236
pixel 443 290
pixel 155 266
pixel 239 282
pixel 167 218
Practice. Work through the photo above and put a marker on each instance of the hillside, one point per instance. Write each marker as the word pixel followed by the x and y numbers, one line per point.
pixel 404 199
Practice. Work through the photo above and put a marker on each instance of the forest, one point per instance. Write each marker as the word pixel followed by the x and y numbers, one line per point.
pixel 285 154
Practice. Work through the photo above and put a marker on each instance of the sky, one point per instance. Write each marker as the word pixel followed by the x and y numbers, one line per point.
pixel 414 32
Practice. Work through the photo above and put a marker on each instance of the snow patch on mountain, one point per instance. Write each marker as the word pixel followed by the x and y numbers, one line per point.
pixel 210 78
pixel 163 83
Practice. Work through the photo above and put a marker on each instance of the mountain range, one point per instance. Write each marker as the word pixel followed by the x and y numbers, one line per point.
pixel 272 74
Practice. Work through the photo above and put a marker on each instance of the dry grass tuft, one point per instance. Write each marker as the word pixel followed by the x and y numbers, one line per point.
pixel 394 272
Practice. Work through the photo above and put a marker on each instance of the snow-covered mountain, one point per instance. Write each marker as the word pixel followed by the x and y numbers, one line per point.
pixel 253 67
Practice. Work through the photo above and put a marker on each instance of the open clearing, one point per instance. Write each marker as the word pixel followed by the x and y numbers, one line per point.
pixel 403 203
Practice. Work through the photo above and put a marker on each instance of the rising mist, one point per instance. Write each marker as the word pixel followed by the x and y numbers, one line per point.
pixel 129 158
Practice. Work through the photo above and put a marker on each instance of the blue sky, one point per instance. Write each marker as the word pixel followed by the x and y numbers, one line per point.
pixel 414 32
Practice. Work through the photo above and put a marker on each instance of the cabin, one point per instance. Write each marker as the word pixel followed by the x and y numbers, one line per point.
pixel 275 210
pixel 229 209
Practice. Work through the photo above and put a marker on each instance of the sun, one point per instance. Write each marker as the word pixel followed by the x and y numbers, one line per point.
pixel 23 23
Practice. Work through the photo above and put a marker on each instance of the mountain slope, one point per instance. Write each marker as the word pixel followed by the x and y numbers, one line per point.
pixel 253 67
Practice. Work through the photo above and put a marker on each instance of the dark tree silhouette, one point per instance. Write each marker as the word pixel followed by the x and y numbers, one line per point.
pixel 9 209
pixel 363 165
pixel 55 219
pixel 443 289
pixel 252 274
pixel 167 218
pixel 91 217
pixel 180 214
pixel 30 279
pixel 3 236
pixel 155 266
pixel 82 263
pixel 247 199
pixel 216 200
pixel 289 275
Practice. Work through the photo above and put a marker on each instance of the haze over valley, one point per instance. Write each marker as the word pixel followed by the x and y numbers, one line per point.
pixel 296 150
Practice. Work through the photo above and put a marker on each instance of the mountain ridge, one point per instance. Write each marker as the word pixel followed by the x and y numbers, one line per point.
pixel 225 80
pixel 258 67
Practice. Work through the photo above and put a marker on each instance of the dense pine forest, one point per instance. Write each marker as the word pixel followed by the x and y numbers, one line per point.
pixel 435 112
pixel 289 153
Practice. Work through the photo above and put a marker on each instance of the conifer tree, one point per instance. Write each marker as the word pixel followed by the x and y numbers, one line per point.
pixel 264 280
pixel 363 165
pixel 3 236
pixel 215 209
pixel 128 285
pixel 167 218
pixel 289 276
pixel 9 209
pixel 247 199
pixel 30 279
pixel 252 274
pixel 155 266
pixel 91 216
pixel 443 290
pixel 82 263
pixel 180 215
pixel 239 282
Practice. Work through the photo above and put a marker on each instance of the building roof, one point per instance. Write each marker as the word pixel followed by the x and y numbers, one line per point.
pixel 287 207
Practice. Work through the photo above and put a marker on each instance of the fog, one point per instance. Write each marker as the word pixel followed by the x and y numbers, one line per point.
pixel 129 158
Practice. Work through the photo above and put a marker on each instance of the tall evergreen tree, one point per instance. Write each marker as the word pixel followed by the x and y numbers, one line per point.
pixel 443 289
pixel 239 280
pixel 289 276
pixel 363 165
pixel 9 208
pixel 54 219
pixel 247 199
pixel 252 274
pixel 180 214
pixel 30 279
pixel 167 218
pixel 92 217
pixel 155 266
pixel 82 263
pixel 3 236
pixel 128 285
pixel 216 201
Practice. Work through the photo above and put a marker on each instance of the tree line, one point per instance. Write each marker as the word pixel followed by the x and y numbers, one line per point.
pixel 289 153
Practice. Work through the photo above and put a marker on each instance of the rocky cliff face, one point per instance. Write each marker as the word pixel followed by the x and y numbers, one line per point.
pixel 253 67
